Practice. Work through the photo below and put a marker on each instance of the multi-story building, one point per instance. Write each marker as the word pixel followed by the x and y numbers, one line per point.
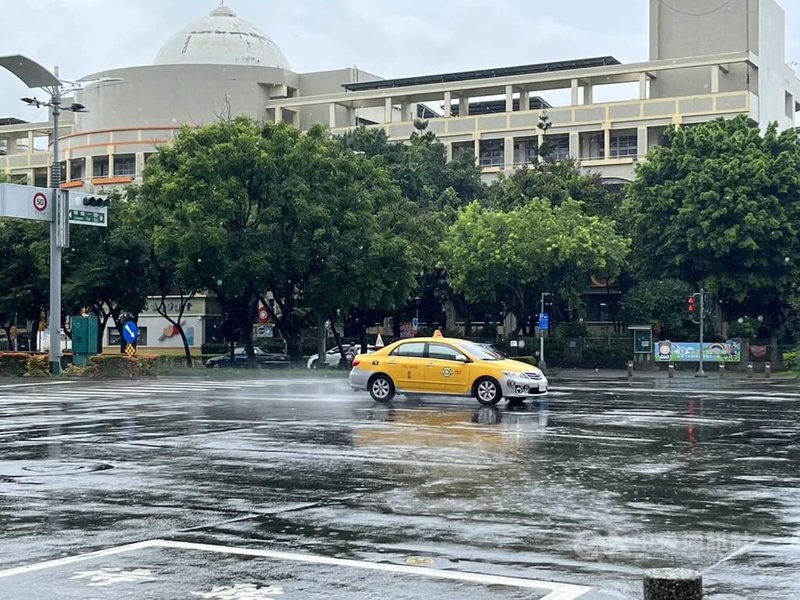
pixel 708 59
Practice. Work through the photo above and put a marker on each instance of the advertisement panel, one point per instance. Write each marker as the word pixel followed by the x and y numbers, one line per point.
pixel 723 352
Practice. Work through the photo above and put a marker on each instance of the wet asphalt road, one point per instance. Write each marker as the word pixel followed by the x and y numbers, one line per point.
pixel 295 487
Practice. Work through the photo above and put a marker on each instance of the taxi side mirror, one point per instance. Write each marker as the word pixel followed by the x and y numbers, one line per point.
pixel 461 358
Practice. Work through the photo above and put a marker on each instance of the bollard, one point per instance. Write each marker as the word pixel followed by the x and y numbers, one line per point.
pixel 749 370
pixel 721 370
pixel 671 371
pixel 767 370
pixel 673 584
pixel 630 369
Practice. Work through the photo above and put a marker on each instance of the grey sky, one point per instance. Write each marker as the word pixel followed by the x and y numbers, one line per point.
pixel 386 37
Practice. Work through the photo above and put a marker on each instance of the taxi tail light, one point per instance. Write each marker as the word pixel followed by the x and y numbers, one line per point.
pixel 356 362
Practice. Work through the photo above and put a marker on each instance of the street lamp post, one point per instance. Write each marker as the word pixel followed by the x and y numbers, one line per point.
pixel 700 371
pixel 35 75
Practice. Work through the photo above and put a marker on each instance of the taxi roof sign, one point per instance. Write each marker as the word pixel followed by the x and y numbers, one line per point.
pixel 438 333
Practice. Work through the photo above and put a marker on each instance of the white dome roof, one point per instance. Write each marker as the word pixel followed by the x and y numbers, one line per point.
pixel 221 38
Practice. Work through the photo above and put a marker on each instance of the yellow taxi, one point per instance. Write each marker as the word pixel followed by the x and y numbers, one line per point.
pixel 447 366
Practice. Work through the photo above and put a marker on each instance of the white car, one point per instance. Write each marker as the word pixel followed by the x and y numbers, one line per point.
pixel 333 356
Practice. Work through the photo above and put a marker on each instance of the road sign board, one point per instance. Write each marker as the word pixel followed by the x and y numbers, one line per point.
pixel 544 321
pixel 415 323
pixel 87 217
pixel 130 332
pixel 26 202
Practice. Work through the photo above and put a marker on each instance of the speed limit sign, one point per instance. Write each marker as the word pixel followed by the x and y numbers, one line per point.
pixel 39 202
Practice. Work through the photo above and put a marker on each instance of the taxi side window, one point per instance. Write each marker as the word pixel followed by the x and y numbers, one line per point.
pixel 411 349
pixel 442 352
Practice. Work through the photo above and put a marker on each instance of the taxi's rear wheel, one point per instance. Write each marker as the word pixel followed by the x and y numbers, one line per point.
pixel 487 391
pixel 381 388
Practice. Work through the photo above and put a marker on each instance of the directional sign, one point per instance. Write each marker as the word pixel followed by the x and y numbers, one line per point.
pixel 87 217
pixel 130 332
pixel 26 202
pixel 544 321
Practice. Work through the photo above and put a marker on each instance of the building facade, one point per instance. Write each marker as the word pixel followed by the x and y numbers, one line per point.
pixel 708 59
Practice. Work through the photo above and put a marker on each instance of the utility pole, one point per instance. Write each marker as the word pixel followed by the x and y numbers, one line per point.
pixel 55 246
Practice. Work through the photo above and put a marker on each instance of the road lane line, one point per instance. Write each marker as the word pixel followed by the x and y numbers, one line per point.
pixel 22 385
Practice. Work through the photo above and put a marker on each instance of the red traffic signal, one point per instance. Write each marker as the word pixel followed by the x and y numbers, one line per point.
pixel 691 304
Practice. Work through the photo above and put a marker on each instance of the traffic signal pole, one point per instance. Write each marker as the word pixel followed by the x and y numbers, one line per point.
pixel 700 371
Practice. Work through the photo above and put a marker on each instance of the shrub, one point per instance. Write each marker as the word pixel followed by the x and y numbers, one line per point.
pixel 38 365
pixel 119 365
pixel 792 360
pixel 76 371
pixel 13 364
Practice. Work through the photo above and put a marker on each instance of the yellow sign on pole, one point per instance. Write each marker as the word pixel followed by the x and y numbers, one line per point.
pixel 130 350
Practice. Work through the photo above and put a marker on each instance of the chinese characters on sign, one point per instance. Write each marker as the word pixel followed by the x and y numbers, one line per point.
pixel 723 352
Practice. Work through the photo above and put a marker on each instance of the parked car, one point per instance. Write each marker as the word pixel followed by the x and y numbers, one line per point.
pixel 263 360
pixel 447 366
pixel 333 356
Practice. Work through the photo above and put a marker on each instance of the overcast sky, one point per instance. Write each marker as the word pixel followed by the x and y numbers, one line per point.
pixel 390 38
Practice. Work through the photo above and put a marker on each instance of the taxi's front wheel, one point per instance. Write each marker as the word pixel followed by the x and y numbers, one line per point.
pixel 381 388
pixel 487 391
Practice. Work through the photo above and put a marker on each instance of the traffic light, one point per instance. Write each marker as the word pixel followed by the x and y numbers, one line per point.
pixel 691 306
pixel 95 201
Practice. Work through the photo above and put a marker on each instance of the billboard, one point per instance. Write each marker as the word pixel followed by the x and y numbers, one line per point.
pixel 723 352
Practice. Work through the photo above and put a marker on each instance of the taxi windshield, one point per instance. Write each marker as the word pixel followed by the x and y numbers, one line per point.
pixel 480 351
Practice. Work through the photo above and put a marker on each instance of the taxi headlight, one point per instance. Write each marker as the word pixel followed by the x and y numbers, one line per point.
pixel 513 374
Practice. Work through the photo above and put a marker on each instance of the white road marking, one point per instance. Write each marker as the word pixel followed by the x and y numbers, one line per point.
pixel 558 591
pixel 24 385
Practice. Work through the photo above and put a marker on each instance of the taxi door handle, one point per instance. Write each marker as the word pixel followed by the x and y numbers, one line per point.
pixel 430 365
pixel 392 362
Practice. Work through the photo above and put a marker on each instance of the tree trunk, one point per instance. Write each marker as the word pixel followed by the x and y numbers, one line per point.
pixel 186 350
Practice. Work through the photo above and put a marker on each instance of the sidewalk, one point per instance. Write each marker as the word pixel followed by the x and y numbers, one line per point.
pixel 563 374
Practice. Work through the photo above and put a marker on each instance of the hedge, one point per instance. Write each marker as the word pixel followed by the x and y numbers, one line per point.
pixel 119 365
pixel 23 364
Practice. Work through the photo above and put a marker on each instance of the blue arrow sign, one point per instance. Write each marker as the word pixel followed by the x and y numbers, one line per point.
pixel 544 321
pixel 130 332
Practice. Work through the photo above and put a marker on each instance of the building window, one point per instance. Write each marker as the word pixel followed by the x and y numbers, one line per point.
pixel 526 151
pixel 558 147
pixel 492 153
pixel 593 145
pixel 462 147
pixel 76 169
pixel 624 145
pixel 100 167
pixel 124 165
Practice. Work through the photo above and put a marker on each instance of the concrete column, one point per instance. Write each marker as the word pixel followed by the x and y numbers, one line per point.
pixel 110 162
pixel 642 142
pixel 388 110
pixel 508 150
pixel 30 142
pixel 139 160
pixel 448 147
pixel 607 141
pixel 509 98
pixel 331 115
pixel 67 174
pixel 448 99
pixel 574 144
pixel 524 100
pixel 540 143
pixel 714 79
pixel 642 86
pixel 588 93
pixel 296 117
pixel 278 116
pixel 463 106
pixel 476 148
pixel 88 165
pixel 574 90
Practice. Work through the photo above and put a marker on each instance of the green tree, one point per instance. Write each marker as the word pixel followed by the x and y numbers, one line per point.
pixel 106 269
pixel 662 304
pixel 557 183
pixel 716 205
pixel 266 209
pixel 24 271
pixel 513 256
